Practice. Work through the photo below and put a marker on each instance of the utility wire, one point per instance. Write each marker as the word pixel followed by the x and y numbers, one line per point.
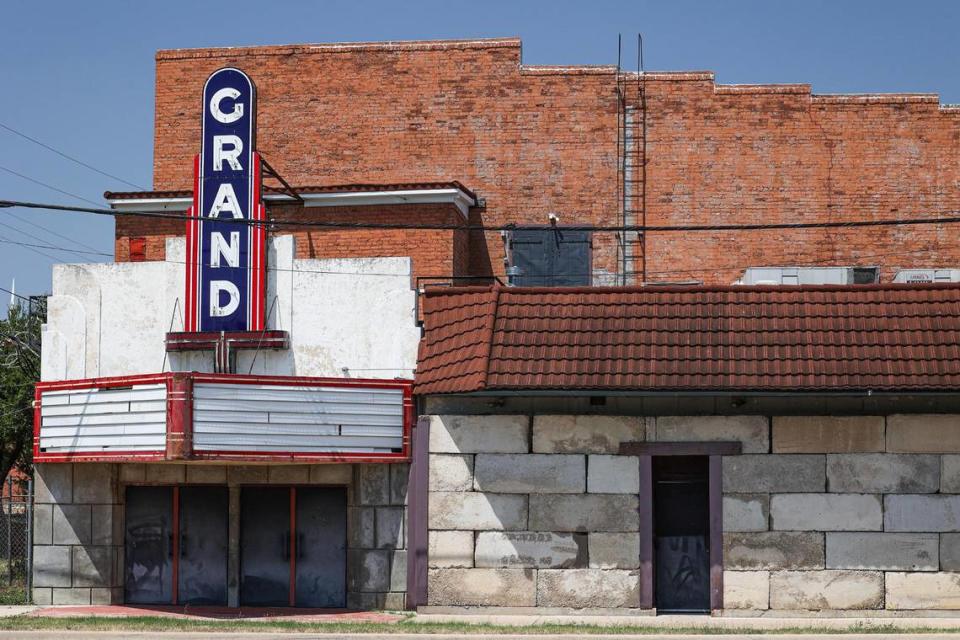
pixel 48 186
pixel 34 250
pixel 70 158
pixel 17 295
pixel 39 239
pixel 50 231
pixel 52 247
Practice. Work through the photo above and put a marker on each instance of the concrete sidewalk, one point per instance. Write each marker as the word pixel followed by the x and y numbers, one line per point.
pixel 153 635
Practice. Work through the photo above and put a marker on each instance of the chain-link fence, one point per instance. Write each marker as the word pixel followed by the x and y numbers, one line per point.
pixel 16 551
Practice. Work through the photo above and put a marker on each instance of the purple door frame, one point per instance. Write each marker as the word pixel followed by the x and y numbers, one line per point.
pixel 645 451
pixel 417 534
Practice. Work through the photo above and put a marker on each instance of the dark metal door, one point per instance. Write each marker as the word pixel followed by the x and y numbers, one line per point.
pixel 148 545
pixel 321 556
pixel 681 533
pixel 202 572
pixel 265 546
pixel 550 257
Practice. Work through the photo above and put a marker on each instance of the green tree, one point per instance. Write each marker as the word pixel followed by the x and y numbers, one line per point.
pixel 19 372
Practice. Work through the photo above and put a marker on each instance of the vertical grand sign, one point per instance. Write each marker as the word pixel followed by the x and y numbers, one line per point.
pixel 225 284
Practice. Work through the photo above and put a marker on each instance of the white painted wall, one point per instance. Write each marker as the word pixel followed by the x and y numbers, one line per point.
pixel 351 317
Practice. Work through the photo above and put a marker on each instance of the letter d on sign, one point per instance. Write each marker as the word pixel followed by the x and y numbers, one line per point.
pixel 216 287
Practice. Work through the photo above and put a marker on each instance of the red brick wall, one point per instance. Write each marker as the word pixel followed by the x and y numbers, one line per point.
pixel 532 140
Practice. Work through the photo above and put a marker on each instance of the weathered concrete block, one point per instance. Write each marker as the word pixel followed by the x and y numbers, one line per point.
pixel 390 528
pixel 883 551
pixel 206 474
pixel 613 474
pixel 774 473
pixel 883 473
pixel 752 431
pixel 450 549
pixel 398 570
pixel 92 566
pixel 51 566
pixel 71 524
pixel 94 483
pixel 826 512
pixel 373 484
pixel 102 596
pixel 451 472
pixel 53 482
pixel 614 550
pixel 399 478
pixel 376 601
pixel 42 596
pixel 43 524
pixel 585 434
pixel 923 433
pixel 334 474
pixel 106 524
pixel 828 434
pixel 75 596
pixel 529 473
pixel 774 550
pixel 923 590
pixel 585 512
pixel 813 590
pixel 132 473
pixel 746 590
pixel 288 474
pixel 588 588
pixel 482 587
pixel 534 549
pixel 950 551
pixel 746 512
pixel 247 474
pixel 478 511
pixel 368 570
pixel 167 473
pixel 921 513
pixel 950 474
pixel 479 434
pixel 361 527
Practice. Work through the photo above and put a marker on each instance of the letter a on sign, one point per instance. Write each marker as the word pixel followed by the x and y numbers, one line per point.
pixel 226 264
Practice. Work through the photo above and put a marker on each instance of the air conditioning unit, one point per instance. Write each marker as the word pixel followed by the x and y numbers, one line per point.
pixel 921 276
pixel 810 275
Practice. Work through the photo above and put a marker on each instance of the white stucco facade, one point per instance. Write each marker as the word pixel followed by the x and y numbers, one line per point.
pixel 352 317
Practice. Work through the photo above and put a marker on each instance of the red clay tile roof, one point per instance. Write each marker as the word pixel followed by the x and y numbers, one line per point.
pixel 873 337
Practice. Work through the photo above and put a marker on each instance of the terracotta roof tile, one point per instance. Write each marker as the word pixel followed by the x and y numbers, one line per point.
pixel 872 337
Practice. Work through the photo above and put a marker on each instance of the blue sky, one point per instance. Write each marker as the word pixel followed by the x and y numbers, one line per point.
pixel 79 75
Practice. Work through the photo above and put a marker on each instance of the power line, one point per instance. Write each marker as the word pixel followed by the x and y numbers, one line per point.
pixel 54 247
pixel 50 231
pixel 48 186
pixel 70 158
pixel 17 295
pixel 34 250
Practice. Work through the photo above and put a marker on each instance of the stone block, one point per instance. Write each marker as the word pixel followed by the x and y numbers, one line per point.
pixel 206 474
pixel 584 512
pixel 814 590
pixel 450 472
pixel 772 473
pixel 102 596
pixel 479 434
pixel 398 570
pixel 247 474
pixel 529 473
pixel 166 473
pixel 585 433
pixel 92 566
pixel 950 474
pixel 613 474
pixel 450 549
pixel 923 433
pixel 533 549
pixel 921 513
pixel 42 596
pixel 399 478
pixel 923 591
pixel 482 587
pixel 883 551
pixel 376 601
pixel 950 551
pixel 361 525
pixel 51 566
pixel 746 590
pixel 883 473
pixel 751 431
pixel 288 474
pixel 828 434
pixel 614 550
pixel 588 588
pixel 53 482
pixel 43 524
pixel 390 528
pixel 773 550
pixel 368 570
pixel 71 524
pixel 132 473
pixel 94 483
pixel 373 484
pixel 826 512
pixel 333 474
pixel 106 524
pixel 75 596
pixel 746 512
pixel 477 511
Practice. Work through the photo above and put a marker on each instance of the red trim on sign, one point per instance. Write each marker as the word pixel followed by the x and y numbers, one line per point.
pixel 293 546
pixel 192 268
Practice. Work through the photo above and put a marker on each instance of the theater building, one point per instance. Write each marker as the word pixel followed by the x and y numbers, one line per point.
pixel 411 325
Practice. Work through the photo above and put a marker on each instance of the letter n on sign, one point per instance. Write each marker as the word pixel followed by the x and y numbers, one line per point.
pixel 226 254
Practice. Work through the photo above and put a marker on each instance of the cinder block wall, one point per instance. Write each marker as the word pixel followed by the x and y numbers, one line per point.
pixel 820 512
